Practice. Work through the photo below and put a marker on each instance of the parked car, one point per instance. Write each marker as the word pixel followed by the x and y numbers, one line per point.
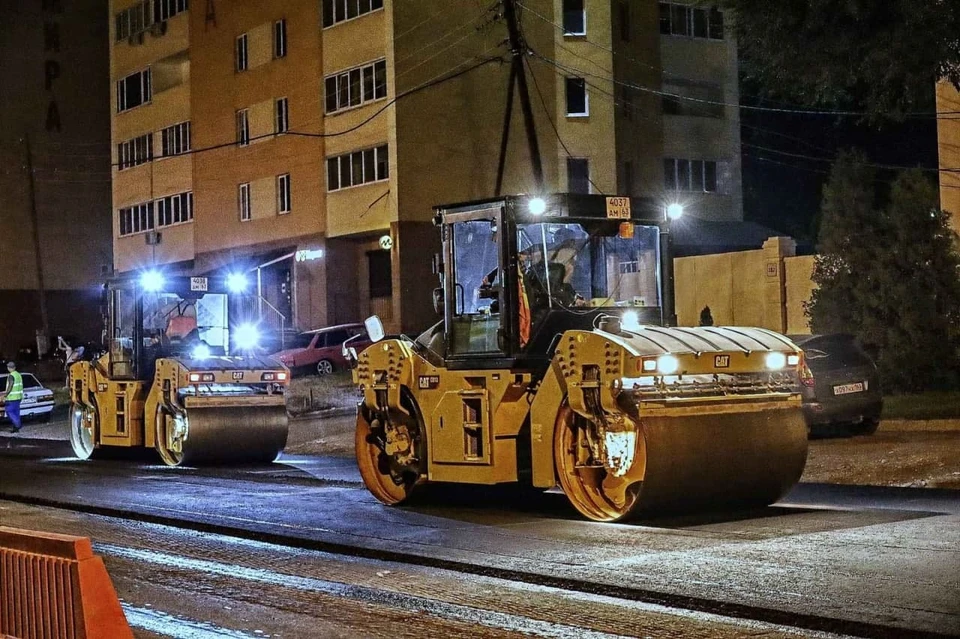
pixel 319 351
pixel 840 386
pixel 37 400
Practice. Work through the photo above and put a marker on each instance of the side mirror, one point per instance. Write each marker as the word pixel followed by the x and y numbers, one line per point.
pixel 374 328
pixel 438 301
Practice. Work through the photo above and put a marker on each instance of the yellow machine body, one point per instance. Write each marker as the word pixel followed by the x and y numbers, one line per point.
pixel 221 409
pixel 555 363
pixel 723 430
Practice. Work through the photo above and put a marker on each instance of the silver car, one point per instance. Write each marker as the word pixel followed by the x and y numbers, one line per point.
pixel 37 400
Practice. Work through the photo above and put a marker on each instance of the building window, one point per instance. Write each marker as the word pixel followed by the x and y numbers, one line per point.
pixel 166 9
pixel 133 21
pixel 174 209
pixel 135 152
pixel 701 101
pixel 283 194
pixel 243 127
pixel 281 120
pixel 280 38
pixel 242 60
pixel 335 11
pixel 136 219
pixel 577 100
pixel 691 176
pixel 624 10
pixel 574 18
pixel 175 139
pixel 380 273
pixel 578 175
pixel 243 201
pixel 691 21
pixel 134 90
pixel 359 167
pixel 354 87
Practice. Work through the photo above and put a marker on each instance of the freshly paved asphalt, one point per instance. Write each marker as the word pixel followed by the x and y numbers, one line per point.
pixel 879 557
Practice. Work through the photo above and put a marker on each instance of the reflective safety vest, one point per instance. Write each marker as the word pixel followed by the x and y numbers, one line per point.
pixel 17 391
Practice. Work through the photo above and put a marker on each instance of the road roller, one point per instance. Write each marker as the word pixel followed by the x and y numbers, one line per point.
pixel 558 362
pixel 178 376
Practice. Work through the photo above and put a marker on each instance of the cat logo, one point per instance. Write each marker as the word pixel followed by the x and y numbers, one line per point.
pixel 428 382
pixel 721 361
pixel 238 375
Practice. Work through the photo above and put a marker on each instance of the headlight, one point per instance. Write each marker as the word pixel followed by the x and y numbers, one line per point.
pixel 630 321
pixel 202 351
pixel 667 364
pixel 776 361
pixel 675 211
pixel 246 337
pixel 236 282
pixel 537 206
pixel 151 281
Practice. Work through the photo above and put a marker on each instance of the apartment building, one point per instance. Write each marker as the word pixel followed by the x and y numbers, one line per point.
pixel 948 130
pixel 54 170
pixel 306 141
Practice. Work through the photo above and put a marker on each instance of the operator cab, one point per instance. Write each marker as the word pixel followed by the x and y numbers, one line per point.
pixel 151 316
pixel 518 271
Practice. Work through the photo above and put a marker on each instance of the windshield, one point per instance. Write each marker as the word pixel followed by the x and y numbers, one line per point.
pixel 172 323
pixel 590 264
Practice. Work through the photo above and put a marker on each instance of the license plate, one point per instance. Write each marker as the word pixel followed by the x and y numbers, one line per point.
pixel 846 389
pixel 27 401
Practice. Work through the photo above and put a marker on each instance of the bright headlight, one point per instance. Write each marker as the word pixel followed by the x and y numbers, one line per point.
pixel 630 321
pixel 776 361
pixel 246 337
pixel 202 351
pixel 667 364
pixel 236 282
pixel 675 211
pixel 537 206
pixel 151 281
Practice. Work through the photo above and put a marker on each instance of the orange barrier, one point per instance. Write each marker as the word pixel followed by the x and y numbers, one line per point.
pixel 53 586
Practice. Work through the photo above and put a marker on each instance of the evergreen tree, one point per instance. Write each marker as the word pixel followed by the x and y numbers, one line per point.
pixel 889 274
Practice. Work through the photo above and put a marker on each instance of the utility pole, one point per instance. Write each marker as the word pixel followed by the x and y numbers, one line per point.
pixel 518 71
pixel 44 320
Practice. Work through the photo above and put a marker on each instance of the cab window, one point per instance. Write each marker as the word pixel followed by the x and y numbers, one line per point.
pixel 476 288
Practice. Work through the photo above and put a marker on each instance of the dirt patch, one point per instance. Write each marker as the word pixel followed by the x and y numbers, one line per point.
pixel 908 453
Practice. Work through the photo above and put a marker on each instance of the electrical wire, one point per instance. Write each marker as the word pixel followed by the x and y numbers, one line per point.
pixel 949 115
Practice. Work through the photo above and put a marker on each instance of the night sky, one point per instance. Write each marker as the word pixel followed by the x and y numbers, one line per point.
pixel 783 191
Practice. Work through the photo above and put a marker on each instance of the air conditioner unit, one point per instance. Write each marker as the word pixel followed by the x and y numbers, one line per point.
pixel 153 238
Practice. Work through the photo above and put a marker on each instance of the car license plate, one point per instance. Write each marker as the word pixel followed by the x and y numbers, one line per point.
pixel 28 400
pixel 847 389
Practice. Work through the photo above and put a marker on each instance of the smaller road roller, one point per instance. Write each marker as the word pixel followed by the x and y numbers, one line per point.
pixel 557 362
pixel 178 376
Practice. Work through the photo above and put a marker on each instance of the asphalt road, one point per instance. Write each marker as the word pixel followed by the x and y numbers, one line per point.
pixel 877 559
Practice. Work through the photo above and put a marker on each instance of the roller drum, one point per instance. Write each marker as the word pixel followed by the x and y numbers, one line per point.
pixel 241 434
pixel 714 460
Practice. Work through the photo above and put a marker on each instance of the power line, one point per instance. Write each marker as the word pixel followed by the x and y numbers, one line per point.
pixel 553 125
pixel 949 115
pixel 445 76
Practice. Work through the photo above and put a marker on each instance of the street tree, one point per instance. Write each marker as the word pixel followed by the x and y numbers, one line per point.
pixel 887 272
pixel 882 57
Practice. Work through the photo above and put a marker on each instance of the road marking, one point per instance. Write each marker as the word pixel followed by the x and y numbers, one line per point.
pixel 412 603
pixel 178 627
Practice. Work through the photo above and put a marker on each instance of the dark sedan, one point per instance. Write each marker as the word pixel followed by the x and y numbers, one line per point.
pixel 840 385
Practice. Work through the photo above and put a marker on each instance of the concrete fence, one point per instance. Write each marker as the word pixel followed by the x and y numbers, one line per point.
pixel 766 287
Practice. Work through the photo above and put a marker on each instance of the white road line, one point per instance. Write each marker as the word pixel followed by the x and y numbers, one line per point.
pixel 413 603
pixel 167 625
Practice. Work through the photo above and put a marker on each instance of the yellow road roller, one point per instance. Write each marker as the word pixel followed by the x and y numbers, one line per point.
pixel 557 362
pixel 178 376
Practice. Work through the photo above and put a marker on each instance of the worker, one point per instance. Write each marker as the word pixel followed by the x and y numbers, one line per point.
pixel 12 397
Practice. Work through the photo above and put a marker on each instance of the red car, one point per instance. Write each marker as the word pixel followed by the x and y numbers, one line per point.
pixel 319 350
